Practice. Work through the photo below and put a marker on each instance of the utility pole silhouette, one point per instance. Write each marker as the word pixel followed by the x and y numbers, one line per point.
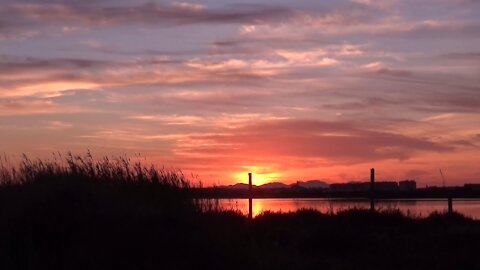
pixel 372 189
pixel 250 208
pixel 450 205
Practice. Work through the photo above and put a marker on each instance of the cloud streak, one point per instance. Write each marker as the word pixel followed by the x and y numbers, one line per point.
pixel 336 141
pixel 149 13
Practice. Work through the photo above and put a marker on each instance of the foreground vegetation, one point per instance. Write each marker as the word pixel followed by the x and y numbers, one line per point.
pixel 77 213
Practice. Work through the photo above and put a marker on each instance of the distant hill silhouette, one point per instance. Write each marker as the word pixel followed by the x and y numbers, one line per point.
pixel 278 185
pixel 237 186
pixel 274 185
pixel 312 184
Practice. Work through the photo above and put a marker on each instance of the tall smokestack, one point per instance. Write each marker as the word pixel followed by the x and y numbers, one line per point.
pixel 372 189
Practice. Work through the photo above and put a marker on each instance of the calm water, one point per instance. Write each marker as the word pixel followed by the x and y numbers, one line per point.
pixel 423 207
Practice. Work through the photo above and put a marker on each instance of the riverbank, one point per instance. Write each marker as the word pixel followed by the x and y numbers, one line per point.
pixel 134 237
pixel 109 216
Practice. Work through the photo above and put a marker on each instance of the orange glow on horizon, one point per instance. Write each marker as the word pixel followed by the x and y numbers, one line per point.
pixel 260 175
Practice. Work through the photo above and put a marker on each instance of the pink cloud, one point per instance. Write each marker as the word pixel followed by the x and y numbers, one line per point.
pixel 340 142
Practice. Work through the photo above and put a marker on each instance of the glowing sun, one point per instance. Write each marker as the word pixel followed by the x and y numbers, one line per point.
pixel 260 175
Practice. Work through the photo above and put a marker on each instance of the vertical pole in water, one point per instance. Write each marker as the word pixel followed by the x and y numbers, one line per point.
pixel 372 189
pixel 450 205
pixel 250 208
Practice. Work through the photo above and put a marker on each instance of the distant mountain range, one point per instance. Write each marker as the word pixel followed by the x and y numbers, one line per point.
pixel 278 185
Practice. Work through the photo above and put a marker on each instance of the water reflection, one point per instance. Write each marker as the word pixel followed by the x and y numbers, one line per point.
pixel 470 208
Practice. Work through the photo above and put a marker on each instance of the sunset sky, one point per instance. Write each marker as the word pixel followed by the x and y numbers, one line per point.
pixel 290 90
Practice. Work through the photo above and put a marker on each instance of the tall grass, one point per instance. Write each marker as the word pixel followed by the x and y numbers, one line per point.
pixel 84 166
pixel 76 211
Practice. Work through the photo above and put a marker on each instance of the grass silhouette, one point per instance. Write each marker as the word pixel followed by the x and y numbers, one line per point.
pixel 75 212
